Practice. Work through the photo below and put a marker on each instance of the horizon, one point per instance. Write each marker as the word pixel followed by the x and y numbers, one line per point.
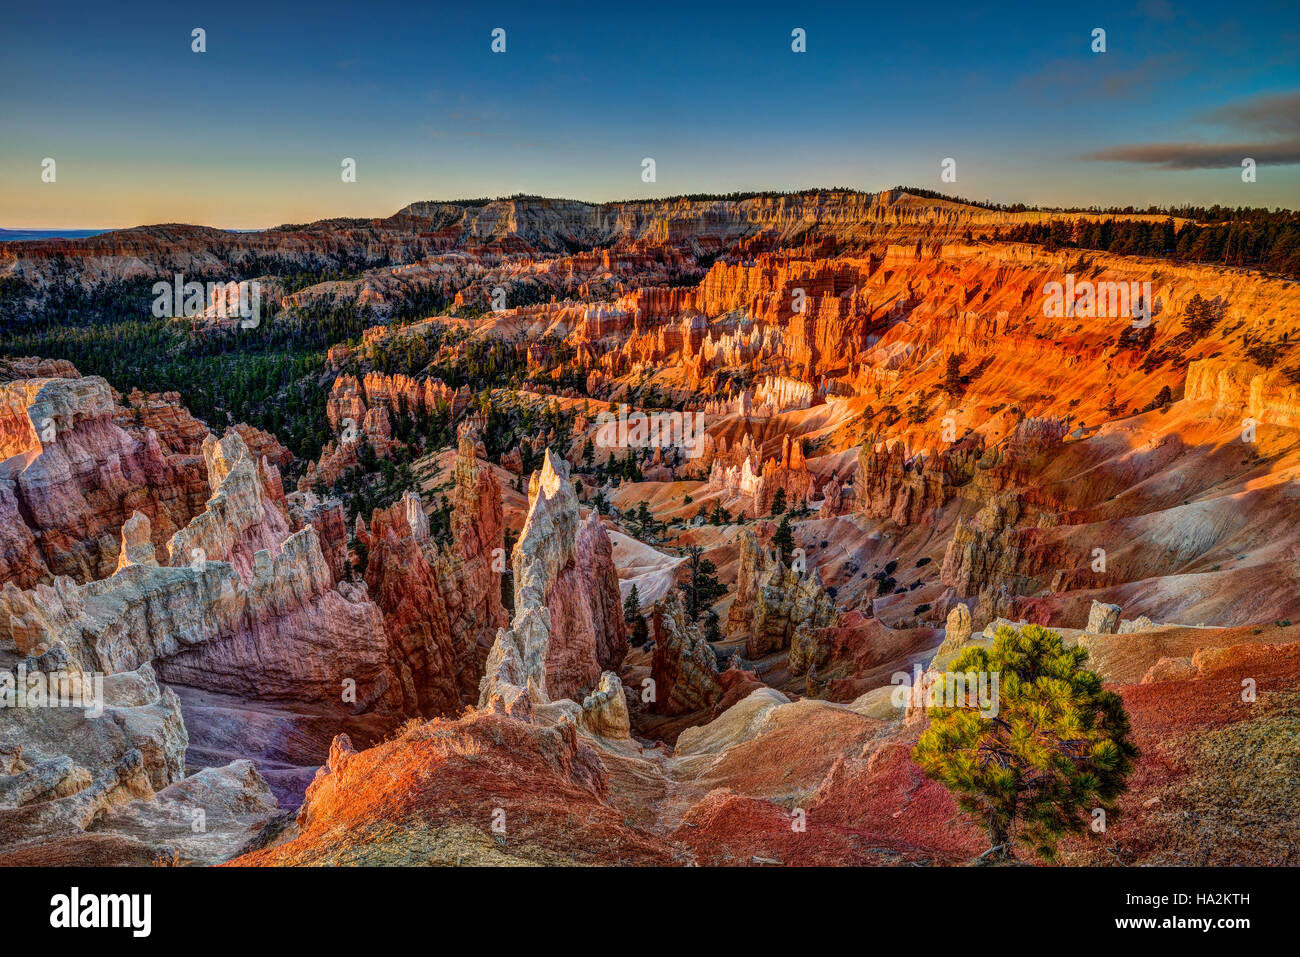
pixel 57 232
pixel 251 132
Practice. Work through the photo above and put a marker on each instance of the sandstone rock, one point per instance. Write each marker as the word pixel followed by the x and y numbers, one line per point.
pixel 112 773
pixel 958 630
pixel 478 531
pixel 604 711
pixel 177 430
pixel 566 594
pixel 737 684
pixel 73 478
pixel 832 499
pixel 1213 660
pixel 684 667
pixel 232 803
pixel 1103 619
pixel 773 600
pixel 1141 623
pixel 241 518
pixel 328 518
pixel 1239 387
pixel 439 793
pixel 400 574
pixel 889 485
pixel 137 545
pixel 287 633
pixel 341 753
pixel 1170 669
pixel 843 660
pixel 985 551
pixel 442 606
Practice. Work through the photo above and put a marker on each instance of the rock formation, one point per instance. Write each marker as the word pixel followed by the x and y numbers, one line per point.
pixel 92 767
pixel 1103 619
pixel 245 514
pixel 908 491
pixel 684 667
pixel 957 631
pixel 73 477
pixel 604 711
pixel 401 575
pixel 566 626
pixel 773 599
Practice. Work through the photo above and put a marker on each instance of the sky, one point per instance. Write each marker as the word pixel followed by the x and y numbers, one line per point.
pixel 253 132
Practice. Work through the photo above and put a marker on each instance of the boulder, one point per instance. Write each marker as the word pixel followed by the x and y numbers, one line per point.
pixel 1103 619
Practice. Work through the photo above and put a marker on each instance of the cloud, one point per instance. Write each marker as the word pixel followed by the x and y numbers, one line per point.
pixel 1156 10
pixel 1278 114
pixel 1201 155
pixel 1274 118
pixel 1102 77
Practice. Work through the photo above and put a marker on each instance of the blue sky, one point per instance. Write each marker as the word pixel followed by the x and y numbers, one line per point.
pixel 251 133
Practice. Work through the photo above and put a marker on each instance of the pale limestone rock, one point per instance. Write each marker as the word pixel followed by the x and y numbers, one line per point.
pixel 1141 623
pixel 240 518
pixel 1103 619
pixel 958 630
pixel 604 711
pixel 137 543
pixel 232 802
pixel 565 597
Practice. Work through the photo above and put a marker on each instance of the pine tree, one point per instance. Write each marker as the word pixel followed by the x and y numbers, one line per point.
pixel 642 521
pixel 508 574
pixel 633 618
pixel 632 606
pixel 784 538
pixel 952 377
pixel 1031 765
pixel 640 632
pixel 778 502
pixel 701 587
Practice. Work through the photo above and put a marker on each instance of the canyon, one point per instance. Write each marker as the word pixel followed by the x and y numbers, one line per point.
pixel 469 628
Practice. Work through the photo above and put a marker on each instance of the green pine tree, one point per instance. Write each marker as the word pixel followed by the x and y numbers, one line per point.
pixel 778 502
pixel 632 617
pixel 700 588
pixel 783 538
pixel 640 632
pixel 632 606
pixel 1056 746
